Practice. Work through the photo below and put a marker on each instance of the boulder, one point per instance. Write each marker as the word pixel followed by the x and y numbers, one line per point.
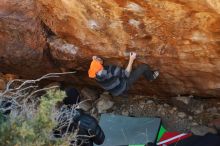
pixel 125 112
pixel 184 99
pixel 104 103
pixel 202 130
pixel 188 104
pixel 85 105
pixel 90 94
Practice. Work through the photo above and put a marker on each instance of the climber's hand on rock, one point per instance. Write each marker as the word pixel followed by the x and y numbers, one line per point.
pixel 97 58
pixel 133 56
pixel 94 57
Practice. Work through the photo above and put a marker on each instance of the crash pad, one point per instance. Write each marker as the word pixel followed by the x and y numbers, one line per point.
pixel 123 130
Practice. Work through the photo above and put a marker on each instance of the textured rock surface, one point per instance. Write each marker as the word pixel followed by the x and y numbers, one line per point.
pixel 22 40
pixel 202 130
pixel 104 103
pixel 89 94
pixel 172 116
pixel 179 37
pixel 2 84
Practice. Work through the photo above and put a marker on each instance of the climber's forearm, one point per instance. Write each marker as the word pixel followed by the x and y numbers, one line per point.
pixel 130 63
pixel 129 67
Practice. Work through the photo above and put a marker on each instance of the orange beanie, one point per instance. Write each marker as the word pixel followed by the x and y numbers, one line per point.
pixel 95 67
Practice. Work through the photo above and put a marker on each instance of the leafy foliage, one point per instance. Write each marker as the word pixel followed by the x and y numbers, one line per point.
pixel 35 131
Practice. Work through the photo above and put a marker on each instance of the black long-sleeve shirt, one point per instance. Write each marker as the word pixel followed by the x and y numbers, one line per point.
pixel 113 79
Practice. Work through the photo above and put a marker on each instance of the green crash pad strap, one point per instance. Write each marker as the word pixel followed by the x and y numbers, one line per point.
pixel 161 132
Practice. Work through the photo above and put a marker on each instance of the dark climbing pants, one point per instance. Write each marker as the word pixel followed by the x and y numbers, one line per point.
pixel 138 72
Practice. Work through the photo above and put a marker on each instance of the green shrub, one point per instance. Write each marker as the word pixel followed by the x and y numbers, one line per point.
pixel 21 131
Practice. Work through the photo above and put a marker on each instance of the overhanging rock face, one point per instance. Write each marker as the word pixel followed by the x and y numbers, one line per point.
pixel 181 38
pixel 22 39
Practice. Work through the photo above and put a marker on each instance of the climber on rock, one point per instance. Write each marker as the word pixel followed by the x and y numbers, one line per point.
pixel 116 80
